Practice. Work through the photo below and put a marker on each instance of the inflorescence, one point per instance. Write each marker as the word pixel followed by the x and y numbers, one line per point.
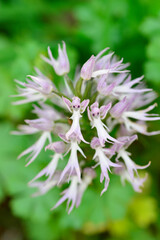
pixel 83 116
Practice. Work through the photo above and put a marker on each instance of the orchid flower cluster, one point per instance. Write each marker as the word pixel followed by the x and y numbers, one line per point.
pixel 83 117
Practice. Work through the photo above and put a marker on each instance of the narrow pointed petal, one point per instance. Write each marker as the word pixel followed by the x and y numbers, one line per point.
pixel 87 68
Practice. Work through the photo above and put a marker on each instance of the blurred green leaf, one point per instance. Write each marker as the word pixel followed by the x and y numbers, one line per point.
pixel 152 49
pixel 142 234
pixel 150 26
pixel 144 210
pixel 152 70
pixel 37 208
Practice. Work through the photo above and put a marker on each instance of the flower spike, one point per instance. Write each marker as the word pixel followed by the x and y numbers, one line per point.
pixel 114 102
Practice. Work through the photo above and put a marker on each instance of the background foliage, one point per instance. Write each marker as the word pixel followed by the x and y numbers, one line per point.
pixel 132 30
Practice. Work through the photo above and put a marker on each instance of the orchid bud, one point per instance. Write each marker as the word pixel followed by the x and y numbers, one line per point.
pixel 87 68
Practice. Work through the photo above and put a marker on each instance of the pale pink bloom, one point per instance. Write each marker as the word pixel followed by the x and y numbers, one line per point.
pixel 47 115
pixel 44 123
pixel 142 99
pixel 36 148
pixel 108 64
pixel 121 112
pixel 76 107
pixel 131 166
pixel 44 186
pixel 42 76
pixel 36 89
pixel 73 164
pixel 61 64
pixel 46 111
pixel 109 61
pixel 95 116
pixel 25 130
pixel 121 84
pixel 98 65
pixel 50 116
pixel 88 175
pixel 103 161
pixel 40 125
pixel 76 189
pixel 50 169
pixel 69 194
pixel 120 148
pixel 136 182
pixel 142 115
pixel 58 148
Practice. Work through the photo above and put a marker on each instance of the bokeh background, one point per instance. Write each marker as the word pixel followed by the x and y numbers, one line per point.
pixel 131 28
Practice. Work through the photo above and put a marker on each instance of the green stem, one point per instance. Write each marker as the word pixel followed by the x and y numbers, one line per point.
pixel 78 87
pixel 60 109
pixel 70 84
pixel 93 98
pixel 65 121
pixel 88 89
pixel 60 94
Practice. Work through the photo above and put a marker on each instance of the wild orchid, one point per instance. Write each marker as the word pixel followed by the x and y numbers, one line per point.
pixel 83 117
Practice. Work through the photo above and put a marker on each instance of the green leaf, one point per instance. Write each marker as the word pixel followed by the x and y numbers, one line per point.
pixel 152 72
pixel 60 94
pixel 150 26
pixel 48 230
pixel 152 52
pixel 88 87
pixel 144 210
pixel 142 234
